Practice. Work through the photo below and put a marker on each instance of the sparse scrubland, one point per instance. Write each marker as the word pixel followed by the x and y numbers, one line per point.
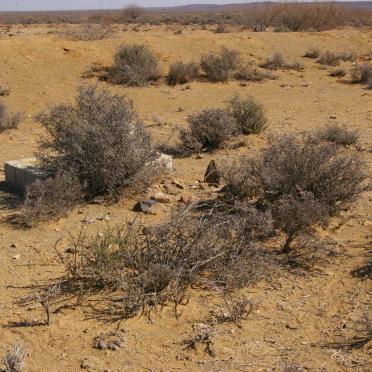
pixel 252 252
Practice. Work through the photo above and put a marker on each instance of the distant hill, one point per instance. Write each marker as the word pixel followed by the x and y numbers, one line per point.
pixel 215 7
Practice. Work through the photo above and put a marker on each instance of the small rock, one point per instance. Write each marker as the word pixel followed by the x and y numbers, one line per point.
pixel 92 364
pixel 283 306
pixel 332 116
pixel 186 199
pixel 144 206
pixel 160 197
pixel 203 186
pixel 212 174
pixel 13 245
pixel 178 183
pixel 16 257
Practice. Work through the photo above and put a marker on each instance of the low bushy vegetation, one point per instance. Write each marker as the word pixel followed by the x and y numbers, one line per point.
pixel 135 65
pixel 276 61
pixel 14 359
pixel 100 139
pixel 248 72
pixel 312 53
pixel 338 135
pixel 333 59
pixel 338 72
pixel 303 183
pixel 248 114
pixel 291 187
pixel 362 74
pixel 51 197
pixel 98 146
pixel 182 73
pixel 221 66
pixel 208 130
pixel 154 266
pixel 89 32
pixel 9 120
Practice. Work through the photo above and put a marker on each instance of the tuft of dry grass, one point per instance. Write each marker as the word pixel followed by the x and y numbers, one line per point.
pixel 9 120
pixel 276 61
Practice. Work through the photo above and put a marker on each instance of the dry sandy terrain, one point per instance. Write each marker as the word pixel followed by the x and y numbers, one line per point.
pixel 296 314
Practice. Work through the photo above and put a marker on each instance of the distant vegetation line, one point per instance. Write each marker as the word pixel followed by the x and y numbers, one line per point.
pixel 256 15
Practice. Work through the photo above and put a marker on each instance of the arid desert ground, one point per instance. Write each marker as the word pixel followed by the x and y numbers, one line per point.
pixel 300 318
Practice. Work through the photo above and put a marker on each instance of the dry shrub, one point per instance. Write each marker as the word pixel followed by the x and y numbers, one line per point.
pixel 135 65
pixel 50 198
pixel 208 130
pixel 237 308
pixel 312 53
pixel 220 29
pixel 14 359
pixel 276 61
pixel 338 72
pixel 220 67
pixel 248 72
pixel 89 32
pixel 338 135
pixel 182 73
pixel 302 182
pixel 249 115
pixel 100 139
pixel 131 13
pixel 4 91
pixel 361 74
pixel 260 18
pixel 9 120
pixel 329 58
pixel 153 266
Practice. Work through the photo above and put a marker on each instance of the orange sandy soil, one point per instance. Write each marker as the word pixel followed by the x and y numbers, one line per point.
pixel 296 313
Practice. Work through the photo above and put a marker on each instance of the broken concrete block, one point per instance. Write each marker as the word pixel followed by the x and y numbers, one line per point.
pixel 21 173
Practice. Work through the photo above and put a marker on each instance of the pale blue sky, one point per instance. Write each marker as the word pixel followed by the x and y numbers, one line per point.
pixel 97 4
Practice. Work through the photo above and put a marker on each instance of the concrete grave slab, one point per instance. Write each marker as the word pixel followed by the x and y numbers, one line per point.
pixel 21 173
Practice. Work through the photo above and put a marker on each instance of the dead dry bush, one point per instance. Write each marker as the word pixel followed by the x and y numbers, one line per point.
pixel 9 120
pixel 50 198
pixel 182 73
pixel 302 183
pixel 248 114
pixel 338 135
pixel 14 359
pixel 312 53
pixel 236 308
pixel 362 74
pixel 248 72
pixel 135 65
pixel 333 59
pixel 101 140
pixel 338 72
pixel 220 67
pixel 208 130
pixel 276 61
pixel 147 268
pixel 89 32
